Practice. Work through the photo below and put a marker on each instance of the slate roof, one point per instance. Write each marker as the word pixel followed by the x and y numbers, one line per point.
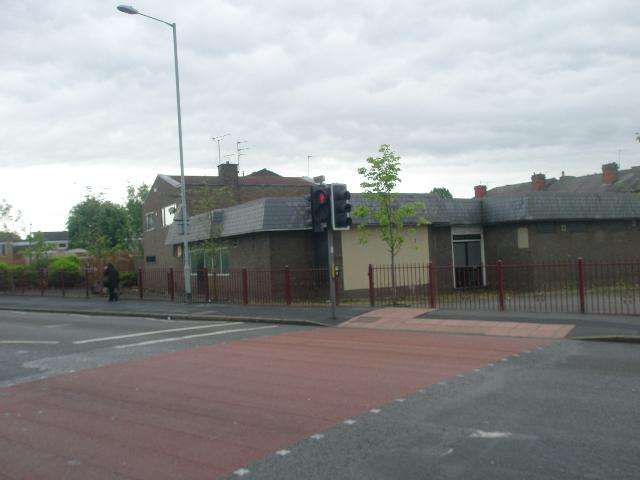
pixel 289 213
pixel 437 210
pixel 541 206
pixel 249 180
pixel 263 215
pixel 628 181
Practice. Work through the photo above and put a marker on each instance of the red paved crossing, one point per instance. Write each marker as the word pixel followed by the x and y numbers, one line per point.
pixel 205 412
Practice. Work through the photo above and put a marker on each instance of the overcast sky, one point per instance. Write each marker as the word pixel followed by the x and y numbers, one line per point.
pixel 466 92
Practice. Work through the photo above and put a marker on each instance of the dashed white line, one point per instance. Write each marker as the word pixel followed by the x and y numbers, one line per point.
pixel 188 337
pixel 155 332
pixel 482 434
pixel 317 436
pixel 283 453
pixel 349 422
pixel 241 472
pixel 28 342
pixel 375 410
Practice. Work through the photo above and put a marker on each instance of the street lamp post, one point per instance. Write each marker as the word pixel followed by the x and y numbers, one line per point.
pixel 183 194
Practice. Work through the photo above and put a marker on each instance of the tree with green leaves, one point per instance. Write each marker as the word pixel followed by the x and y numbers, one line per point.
pixel 9 217
pixel 381 177
pixel 133 206
pixel 37 250
pixel 442 192
pixel 98 226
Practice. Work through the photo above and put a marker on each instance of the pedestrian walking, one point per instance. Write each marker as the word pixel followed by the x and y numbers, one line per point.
pixel 111 280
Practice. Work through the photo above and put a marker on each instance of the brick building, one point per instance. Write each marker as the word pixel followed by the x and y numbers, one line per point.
pixel 546 220
pixel 205 194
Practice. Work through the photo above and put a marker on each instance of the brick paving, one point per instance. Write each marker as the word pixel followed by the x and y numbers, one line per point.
pixel 407 319
pixel 202 413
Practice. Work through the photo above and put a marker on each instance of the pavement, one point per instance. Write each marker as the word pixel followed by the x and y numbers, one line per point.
pixel 541 325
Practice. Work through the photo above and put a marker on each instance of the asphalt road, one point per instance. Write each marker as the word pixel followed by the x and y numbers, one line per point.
pixel 37 345
pixel 287 402
pixel 566 411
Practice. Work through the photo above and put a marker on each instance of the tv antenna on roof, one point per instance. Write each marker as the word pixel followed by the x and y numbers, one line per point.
pixel 240 150
pixel 308 171
pixel 217 138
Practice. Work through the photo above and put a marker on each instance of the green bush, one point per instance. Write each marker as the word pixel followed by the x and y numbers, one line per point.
pixel 5 276
pixel 67 266
pixel 128 279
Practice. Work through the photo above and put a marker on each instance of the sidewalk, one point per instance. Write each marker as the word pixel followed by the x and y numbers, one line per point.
pixel 290 314
pixel 612 327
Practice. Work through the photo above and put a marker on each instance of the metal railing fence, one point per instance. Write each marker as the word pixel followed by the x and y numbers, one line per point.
pixel 568 287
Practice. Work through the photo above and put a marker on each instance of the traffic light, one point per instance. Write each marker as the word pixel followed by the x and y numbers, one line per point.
pixel 320 207
pixel 340 207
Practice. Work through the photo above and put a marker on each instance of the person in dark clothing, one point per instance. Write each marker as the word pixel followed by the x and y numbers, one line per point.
pixel 111 280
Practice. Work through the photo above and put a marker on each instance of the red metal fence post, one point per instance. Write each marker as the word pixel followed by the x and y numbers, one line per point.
pixel 287 285
pixel 500 279
pixel 337 285
pixel 207 295
pixel 372 295
pixel 581 283
pixel 140 283
pixel 171 285
pixel 245 287
pixel 62 281
pixel 430 285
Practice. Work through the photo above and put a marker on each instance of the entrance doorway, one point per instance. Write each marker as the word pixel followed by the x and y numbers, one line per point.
pixel 467 260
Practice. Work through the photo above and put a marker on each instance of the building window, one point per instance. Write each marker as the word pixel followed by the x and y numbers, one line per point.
pixel 578 227
pixel 168 213
pixel 618 226
pixel 523 237
pixel 177 250
pixel 150 259
pixel 3 250
pixel 546 227
pixel 148 221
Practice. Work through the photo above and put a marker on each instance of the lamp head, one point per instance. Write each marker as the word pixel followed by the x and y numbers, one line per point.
pixel 128 9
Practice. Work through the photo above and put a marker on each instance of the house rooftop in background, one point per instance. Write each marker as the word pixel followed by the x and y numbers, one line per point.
pixel 611 179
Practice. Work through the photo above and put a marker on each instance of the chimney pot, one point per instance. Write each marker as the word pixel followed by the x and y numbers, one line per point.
pixel 609 173
pixel 538 181
pixel 480 191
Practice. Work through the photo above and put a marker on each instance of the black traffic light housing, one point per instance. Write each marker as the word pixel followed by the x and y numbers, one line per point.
pixel 340 207
pixel 320 197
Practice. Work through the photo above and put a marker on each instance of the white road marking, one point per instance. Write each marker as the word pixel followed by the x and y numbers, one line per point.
pixel 349 422
pixel 400 400
pixel 57 326
pixel 241 472
pixel 448 452
pixel 28 342
pixel 317 436
pixel 375 410
pixel 482 434
pixel 187 337
pixel 155 332
pixel 283 453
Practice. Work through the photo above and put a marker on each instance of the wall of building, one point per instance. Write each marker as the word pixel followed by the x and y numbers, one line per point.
pixel 440 245
pixel 563 241
pixel 356 256
pixel 160 195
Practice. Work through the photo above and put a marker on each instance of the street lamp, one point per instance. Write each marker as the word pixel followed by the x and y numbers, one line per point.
pixel 183 195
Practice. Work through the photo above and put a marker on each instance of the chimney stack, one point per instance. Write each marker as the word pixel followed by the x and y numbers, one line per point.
pixel 610 173
pixel 538 182
pixel 480 191
pixel 228 172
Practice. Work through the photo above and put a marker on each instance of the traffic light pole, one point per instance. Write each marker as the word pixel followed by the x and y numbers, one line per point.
pixel 332 272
